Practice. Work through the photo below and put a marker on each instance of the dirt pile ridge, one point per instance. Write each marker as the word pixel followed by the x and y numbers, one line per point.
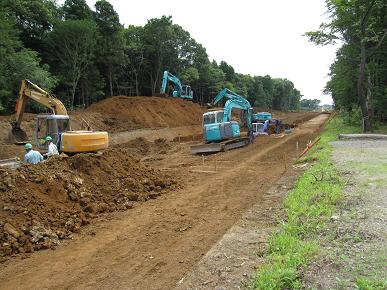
pixel 123 113
pixel 45 203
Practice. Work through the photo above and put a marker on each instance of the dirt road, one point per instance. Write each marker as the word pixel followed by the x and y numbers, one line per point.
pixel 154 244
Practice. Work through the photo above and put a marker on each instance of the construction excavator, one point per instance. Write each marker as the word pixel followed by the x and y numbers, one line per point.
pixel 179 91
pixel 56 124
pixel 220 132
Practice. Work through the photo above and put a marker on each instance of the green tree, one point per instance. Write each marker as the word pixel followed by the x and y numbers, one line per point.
pixel 34 18
pixel 72 44
pixel 189 75
pixel 17 63
pixel 360 23
pixel 308 104
pixel 228 70
pixel 159 50
pixel 76 10
pixel 134 51
pixel 110 55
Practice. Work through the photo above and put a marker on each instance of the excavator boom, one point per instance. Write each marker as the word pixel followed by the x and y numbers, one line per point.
pixel 29 90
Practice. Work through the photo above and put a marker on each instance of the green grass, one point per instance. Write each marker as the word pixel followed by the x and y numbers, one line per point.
pixel 364 284
pixel 308 208
pixel 380 129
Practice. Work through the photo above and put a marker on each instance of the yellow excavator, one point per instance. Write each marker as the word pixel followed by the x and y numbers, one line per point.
pixel 56 125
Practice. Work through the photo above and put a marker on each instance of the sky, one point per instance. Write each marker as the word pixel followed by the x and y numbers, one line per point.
pixel 256 37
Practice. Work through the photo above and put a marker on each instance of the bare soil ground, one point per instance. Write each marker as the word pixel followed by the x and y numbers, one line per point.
pixel 232 262
pixel 42 204
pixel 354 245
pixel 155 243
pixel 127 118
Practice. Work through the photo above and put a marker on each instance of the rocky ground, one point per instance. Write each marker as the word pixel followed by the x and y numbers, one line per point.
pixel 42 204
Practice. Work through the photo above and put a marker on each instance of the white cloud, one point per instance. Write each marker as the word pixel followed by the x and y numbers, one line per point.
pixel 255 37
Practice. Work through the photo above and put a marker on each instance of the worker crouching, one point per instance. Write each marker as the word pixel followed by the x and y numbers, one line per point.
pixel 52 149
pixel 32 156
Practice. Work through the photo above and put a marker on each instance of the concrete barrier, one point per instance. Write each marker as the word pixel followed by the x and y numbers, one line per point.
pixel 362 137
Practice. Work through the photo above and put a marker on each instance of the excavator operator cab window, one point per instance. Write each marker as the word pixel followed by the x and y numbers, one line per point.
pixel 53 126
pixel 208 118
pixel 63 125
pixel 219 117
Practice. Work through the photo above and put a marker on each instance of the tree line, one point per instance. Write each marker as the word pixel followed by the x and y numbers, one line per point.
pixel 359 72
pixel 84 55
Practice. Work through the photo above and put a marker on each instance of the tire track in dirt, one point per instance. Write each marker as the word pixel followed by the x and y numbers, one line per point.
pixel 153 245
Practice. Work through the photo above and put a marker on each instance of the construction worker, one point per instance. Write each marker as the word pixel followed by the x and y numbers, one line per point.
pixel 266 126
pixel 32 156
pixel 278 125
pixel 52 149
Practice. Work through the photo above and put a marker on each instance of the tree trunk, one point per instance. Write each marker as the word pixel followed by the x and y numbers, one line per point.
pixel 137 92
pixel 361 90
pixel 155 83
pixel 151 83
pixel 73 88
pixel 110 83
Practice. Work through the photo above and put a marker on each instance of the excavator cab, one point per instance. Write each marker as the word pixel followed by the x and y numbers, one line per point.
pixel 50 125
pixel 216 129
pixel 186 92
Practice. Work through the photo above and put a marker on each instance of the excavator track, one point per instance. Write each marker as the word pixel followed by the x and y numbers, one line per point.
pixel 219 147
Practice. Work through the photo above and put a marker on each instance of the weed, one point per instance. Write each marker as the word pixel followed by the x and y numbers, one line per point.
pixel 308 207
pixel 364 284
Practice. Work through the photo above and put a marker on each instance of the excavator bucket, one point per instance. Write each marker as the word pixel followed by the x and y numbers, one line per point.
pixel 17 135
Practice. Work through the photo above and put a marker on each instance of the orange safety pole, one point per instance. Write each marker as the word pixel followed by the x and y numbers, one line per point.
pixel 309 146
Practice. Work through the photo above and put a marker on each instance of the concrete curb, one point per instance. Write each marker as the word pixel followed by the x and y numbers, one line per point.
pixel 362 137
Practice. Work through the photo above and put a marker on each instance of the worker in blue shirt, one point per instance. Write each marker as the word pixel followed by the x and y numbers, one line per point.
pixel 32 156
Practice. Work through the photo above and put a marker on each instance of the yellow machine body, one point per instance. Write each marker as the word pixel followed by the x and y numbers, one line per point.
pixel 83 141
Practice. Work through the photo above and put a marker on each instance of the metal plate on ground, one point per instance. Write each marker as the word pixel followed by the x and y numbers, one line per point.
pixel 11 163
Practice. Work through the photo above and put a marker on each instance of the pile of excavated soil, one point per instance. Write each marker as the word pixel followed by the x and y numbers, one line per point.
pixel 45 203
pixel 128 113
pixel 141 147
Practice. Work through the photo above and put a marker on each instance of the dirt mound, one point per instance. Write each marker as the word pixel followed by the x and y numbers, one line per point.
pixel 141 147
pixel 45 203
pixel 128 113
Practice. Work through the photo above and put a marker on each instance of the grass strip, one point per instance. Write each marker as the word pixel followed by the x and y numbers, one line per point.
pixel 308 209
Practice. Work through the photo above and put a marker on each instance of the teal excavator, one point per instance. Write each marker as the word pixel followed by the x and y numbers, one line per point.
pixel 179 90
pixel 220 132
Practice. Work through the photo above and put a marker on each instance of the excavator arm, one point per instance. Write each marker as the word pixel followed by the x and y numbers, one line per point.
pixel 29 90
pixel 234 101
pixel 225 93
pixel 167 76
